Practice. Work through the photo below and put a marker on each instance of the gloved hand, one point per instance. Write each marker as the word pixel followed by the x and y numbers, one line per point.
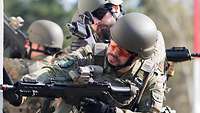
pixel 10 95
pixel 89 105
pixel 12 98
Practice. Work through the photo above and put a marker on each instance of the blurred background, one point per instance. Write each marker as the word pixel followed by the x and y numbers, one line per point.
pixel 174 19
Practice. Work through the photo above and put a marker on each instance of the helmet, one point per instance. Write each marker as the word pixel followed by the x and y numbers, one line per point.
pixel 46 33
pixel 136 33
pixel 116 2
pixel 91 5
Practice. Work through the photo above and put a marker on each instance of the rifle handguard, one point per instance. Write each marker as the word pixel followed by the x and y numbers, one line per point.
pixel 180 54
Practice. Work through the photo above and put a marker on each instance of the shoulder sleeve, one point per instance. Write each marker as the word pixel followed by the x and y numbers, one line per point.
pixel 158 58
pixel 16 67
pixel 153 97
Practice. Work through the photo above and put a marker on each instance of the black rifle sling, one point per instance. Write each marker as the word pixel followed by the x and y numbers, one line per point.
pixel 140 81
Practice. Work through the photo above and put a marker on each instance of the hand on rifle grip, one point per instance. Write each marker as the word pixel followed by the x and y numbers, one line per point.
pixel 12 98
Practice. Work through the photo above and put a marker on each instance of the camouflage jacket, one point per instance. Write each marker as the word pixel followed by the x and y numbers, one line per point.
pixel 153 96
pixel 17 68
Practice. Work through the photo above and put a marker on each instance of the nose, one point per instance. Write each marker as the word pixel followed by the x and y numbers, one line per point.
pixel 27 44
pixel 115 51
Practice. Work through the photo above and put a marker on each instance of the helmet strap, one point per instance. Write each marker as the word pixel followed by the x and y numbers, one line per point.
pixel 46 51
pixel 51 51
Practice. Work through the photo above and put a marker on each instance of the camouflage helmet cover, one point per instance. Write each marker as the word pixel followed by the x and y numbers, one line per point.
pixel 46 33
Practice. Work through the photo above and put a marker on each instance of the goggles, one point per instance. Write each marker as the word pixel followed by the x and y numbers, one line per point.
pixel 46 51
pixel 121 52
pixel 100 12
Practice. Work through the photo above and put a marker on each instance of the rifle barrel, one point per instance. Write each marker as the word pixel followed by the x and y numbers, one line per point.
pixel 195 54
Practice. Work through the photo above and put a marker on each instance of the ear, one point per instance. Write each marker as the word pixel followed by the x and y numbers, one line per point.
pixel 96 21
pixel 27 44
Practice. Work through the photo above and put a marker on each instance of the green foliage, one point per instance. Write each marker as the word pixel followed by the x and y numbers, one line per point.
pixel 31 10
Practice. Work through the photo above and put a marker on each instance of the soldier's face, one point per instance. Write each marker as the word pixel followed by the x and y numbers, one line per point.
pixel 116 10
pixel 108 19
pixel 32 50
pixel 102 23
pixel 117 56
pixel 102 27
pixel 37 47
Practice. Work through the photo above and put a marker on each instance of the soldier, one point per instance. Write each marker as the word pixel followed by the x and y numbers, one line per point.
pixel 135 56
pixel 45 38
pixel 104 12
pixel 114 7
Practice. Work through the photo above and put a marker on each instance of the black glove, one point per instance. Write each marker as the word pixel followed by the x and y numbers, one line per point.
pixel 12 98
pixel 94 106
pixel 10 95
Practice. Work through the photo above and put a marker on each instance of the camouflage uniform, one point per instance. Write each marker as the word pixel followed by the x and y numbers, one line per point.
pixel 154 93
pixel 44 33
pixel 91 6
pixel 153 97
pixel 153 65
pixel 16 68
pixel 44 74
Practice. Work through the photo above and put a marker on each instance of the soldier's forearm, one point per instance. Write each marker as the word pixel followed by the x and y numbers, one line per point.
pixel 41 75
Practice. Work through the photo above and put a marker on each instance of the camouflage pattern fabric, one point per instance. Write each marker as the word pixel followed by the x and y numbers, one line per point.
pixel 17 68
pixel 151 101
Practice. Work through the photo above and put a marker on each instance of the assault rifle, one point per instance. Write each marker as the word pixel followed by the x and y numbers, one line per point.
pixel 14 38
pixel 72 93
pixel 180 54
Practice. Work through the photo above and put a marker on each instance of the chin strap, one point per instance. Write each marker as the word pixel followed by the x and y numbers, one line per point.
pixel 46 51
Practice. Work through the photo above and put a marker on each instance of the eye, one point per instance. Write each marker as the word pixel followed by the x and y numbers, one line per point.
pixel 113 47
pixel 123 53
